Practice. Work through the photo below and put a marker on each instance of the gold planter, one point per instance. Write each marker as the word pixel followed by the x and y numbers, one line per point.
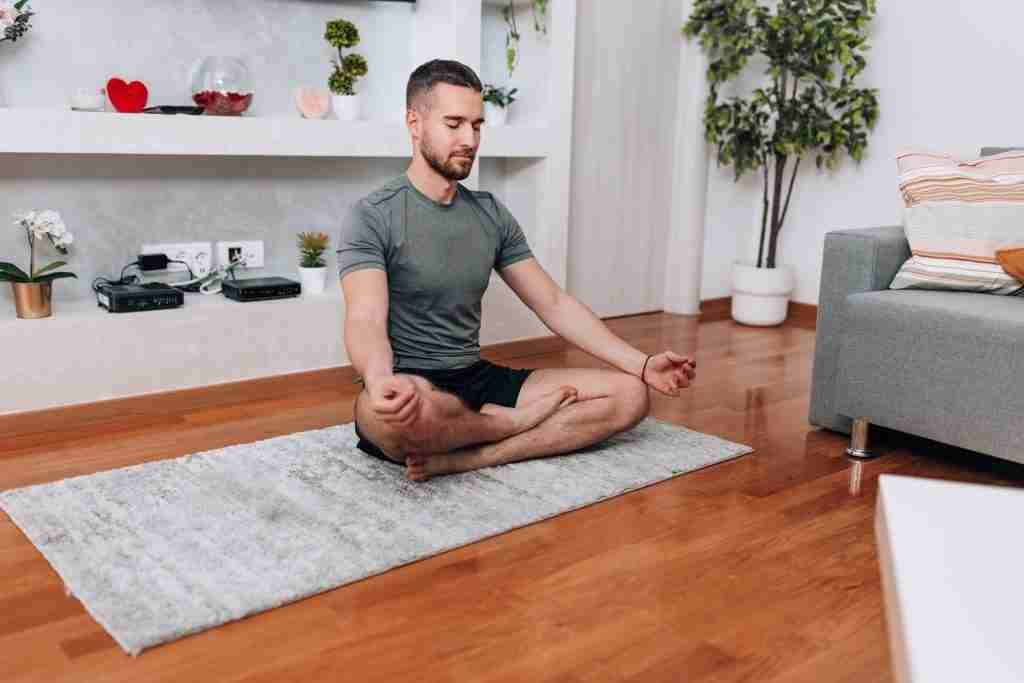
pixel 33 299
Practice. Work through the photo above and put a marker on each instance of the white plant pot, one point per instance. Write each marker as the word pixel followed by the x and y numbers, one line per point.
pixel 347 107
pixel 312 279
pixel 495 115
pixel 760 296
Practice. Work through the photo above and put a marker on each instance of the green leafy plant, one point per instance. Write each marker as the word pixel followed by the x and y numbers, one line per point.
pixel 508 13
pixel 312 246
pixel 813 51
pixel 39 225
pixel 343 34
pixel 14 20
pixel 499 96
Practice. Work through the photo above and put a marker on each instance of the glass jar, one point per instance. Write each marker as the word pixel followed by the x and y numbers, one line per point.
pixel 222 86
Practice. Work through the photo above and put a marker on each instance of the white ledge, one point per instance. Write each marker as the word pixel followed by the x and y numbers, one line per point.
pixel 60 131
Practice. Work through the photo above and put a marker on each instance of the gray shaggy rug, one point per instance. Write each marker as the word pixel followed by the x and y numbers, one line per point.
pixel 162 550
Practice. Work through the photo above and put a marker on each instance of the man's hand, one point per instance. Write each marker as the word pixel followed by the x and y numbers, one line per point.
pixel 668 372
pixel 395 400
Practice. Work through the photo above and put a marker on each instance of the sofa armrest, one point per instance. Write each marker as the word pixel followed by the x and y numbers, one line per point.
pixel 854 261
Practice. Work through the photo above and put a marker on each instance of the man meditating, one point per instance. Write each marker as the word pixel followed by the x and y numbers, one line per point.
pixel 414 258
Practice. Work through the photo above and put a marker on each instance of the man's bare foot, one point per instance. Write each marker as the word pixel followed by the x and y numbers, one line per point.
pixel 423 467
pixel 532 414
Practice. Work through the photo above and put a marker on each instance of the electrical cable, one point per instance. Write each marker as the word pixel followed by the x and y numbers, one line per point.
pixel 207 284
pixel 210 283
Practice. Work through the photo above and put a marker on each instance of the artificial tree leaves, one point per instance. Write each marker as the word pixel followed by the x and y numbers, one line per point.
pixel 811 52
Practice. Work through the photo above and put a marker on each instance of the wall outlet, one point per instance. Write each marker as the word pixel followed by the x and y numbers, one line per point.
pixel 251 252
pixel 198 256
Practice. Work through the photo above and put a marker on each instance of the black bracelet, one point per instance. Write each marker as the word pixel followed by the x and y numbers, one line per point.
pixel 645 369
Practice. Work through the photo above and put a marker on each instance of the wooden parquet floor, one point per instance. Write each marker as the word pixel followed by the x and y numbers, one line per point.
pixel 759 569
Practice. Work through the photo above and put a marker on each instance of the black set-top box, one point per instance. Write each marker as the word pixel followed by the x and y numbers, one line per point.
pixel 151 296
pixel 260 288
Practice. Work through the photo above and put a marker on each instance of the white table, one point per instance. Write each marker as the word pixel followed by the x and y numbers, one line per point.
pixel 953 577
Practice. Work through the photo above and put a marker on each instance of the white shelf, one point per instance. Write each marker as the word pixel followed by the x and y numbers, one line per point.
pixel 72 313
pixel 59 131
pixel 86 354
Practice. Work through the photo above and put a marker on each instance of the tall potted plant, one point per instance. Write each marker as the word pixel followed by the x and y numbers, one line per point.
pixel 343 34
pixel 812 52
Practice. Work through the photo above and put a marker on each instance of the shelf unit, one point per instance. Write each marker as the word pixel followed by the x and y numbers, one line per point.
pixel 211 340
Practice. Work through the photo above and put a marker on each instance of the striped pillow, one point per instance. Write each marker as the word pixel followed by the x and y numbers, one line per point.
pixel 958 214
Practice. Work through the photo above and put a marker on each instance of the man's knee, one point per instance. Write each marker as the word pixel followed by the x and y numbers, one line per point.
pixel 633 402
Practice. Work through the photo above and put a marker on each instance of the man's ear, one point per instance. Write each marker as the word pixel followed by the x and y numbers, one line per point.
pixel 413 121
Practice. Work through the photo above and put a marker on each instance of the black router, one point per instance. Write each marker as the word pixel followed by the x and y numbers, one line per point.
pixel 151 296
pixel 260 288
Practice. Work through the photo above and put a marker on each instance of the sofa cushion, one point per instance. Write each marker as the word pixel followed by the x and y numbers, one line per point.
pixel 957 215
pixel 945 365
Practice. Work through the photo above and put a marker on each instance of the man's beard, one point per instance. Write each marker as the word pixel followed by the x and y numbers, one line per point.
pixel 449 168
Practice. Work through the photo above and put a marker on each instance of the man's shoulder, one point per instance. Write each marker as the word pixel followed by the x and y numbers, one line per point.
pixel 486 199
pixel 386 192
pixel 481 195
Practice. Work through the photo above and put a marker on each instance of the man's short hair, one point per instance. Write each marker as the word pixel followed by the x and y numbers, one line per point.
pixel 426 76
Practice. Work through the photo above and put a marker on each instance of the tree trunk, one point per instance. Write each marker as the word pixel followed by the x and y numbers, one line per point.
pixel 764 219
pixel 773 239
pixel 777 228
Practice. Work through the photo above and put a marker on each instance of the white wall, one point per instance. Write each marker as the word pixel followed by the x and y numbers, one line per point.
pixel 627 62
pixel 948 75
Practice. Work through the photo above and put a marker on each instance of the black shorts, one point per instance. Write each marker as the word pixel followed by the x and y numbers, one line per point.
pixel 480 383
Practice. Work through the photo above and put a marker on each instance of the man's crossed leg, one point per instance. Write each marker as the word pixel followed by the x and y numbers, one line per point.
pixel 557 411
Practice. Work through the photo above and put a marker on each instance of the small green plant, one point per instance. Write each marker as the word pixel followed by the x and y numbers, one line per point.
pixel 343 34
pixel 812 51
pixel 14 20
pixel 499 96
pixel 39 225
pixel 312 246
pixel 508 13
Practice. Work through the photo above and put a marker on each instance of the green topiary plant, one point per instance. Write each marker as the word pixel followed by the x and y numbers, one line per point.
pixel 813 51
pixel 343 34
pixel 312 246
pixel 499 96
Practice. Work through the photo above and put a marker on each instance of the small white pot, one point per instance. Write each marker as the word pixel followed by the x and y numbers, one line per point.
pixel 313 279
pixel 495 115
pixel 347 107
pixel 760 296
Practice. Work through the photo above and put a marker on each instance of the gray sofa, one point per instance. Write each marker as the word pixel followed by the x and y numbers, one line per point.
pixel 947 366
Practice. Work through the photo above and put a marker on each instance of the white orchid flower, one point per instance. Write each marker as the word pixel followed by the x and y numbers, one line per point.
pixel 22 219
pixel 48 217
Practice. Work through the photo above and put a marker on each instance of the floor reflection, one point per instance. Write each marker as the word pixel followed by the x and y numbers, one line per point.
pixel 856 473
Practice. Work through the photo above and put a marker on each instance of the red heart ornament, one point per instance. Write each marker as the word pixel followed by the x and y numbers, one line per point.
pixel 128 98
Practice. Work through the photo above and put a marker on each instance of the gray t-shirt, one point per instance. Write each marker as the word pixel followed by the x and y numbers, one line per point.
pixel 438 259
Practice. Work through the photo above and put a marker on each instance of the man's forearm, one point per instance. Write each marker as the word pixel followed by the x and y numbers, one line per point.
pixel 369 350
pixel 577 324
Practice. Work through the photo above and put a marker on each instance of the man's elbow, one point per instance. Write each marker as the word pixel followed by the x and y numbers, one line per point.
pixel 554 305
